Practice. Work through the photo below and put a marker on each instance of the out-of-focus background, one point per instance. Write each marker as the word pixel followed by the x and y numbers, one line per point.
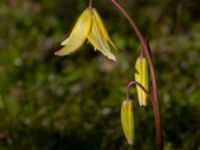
pixel 49 102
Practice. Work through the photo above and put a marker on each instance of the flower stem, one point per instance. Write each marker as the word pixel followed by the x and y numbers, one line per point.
pixel 90 3
pixel 147 53
pixel 131 83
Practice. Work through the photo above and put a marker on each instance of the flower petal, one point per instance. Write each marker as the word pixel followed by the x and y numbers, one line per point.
pixel 103 28
pixel 97 39
pixel 78 34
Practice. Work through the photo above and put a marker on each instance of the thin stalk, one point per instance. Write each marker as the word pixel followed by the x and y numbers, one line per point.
pixel 90 3
pixel 131 83
pixel 147 52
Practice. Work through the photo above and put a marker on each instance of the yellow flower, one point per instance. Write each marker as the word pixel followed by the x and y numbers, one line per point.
pixel 91 27
pixel 142 76
pixel 127 120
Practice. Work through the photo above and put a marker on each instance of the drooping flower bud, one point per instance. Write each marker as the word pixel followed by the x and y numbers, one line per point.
pixel 142 76
pixel 127 120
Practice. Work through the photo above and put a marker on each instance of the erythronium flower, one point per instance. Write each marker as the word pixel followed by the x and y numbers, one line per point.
pixel 91 27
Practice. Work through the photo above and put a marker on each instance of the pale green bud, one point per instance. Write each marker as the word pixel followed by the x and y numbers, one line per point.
pixel 142 76
pixel 127 120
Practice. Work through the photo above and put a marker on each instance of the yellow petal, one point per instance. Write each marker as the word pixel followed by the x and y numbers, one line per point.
pixel 97 39
pixel 78 34
pixel 142 77
pixel 127 120
pixel 103 28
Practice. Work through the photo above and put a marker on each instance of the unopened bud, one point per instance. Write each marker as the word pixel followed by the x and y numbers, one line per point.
pixel 142 76
pixel 127 120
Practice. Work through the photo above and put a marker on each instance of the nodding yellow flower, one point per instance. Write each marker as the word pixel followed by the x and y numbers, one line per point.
pixel 127 120
pixel 91 27
pixel 142 76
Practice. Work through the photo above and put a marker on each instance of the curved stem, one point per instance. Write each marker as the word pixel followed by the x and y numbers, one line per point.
pixel 131 83
pixel 147 53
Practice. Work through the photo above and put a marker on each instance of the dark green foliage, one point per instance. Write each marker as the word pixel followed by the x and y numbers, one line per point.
pixel 49 102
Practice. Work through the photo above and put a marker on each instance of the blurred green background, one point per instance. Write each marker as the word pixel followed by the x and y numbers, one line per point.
pixel 73 103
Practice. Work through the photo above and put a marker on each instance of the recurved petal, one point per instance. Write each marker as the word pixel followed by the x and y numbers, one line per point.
pixel 78 34
pixel 97 39
pixel 103 28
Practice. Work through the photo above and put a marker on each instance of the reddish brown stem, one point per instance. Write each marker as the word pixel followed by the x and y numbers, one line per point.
pixel 90 3
pixel 131 83
pixel 147 52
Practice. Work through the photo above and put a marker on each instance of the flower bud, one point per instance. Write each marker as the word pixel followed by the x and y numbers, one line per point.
pixel 127 120
pixel 142 76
